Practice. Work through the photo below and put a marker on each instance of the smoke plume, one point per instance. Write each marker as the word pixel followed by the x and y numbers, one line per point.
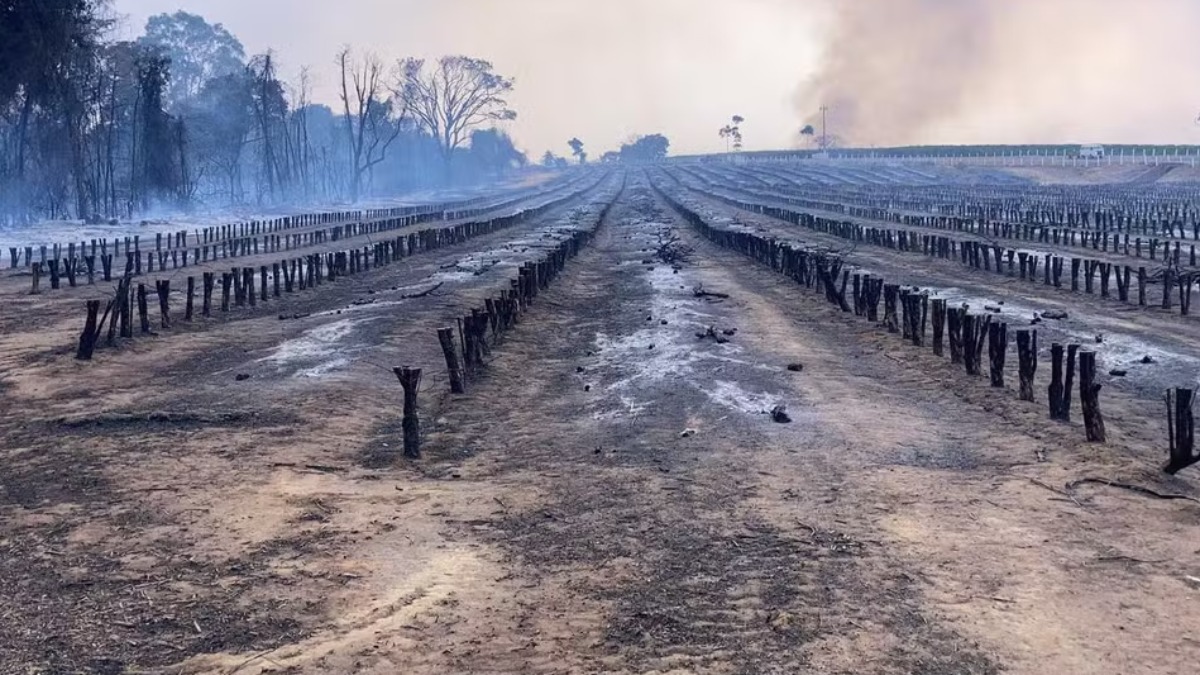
pixel 898 72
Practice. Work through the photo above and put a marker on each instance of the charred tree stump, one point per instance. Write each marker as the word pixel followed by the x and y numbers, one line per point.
pixel 458 383
pixel 997 352
pixel 1027 362
pixel 163 288
pixel 248 285
pixel 1186 280
pixel 410 380
pixel 226 282
pixel 1141 286
pixel 1168 286
pixel 1089 398
pixel 954 322
pixel 87 339
pixel 891 294
pixel 206 304
pixel 125 295
pixel 875 290
pixel 239 288
pixel 143 310
pixel 190 299
pixel 1068 383
pixel 922 305
pixel 939 325
pixel 1181 430
pixel 1055 391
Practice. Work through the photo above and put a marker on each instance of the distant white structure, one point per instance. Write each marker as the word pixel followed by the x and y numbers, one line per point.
pixel 1091 151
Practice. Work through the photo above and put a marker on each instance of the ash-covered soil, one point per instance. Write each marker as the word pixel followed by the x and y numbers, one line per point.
pixel 614 494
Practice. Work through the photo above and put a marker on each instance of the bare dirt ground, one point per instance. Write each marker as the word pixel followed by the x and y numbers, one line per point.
pixel 612 497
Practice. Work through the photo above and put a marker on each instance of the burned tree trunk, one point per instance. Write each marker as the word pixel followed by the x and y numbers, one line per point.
pixel 410 380
pixel 997 352
pixel 891 294
pixel 143 311
pixel 163 288
pixel 954 323
pixel 87 339
pixel 1068 382
pixel 1027 362
pixel 1181 430
pixel 190 302
pixel 939 325
pixel 1055 392
pixel 453 365
pixel 1089 398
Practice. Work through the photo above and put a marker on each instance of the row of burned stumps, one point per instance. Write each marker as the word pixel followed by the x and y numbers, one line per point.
pixel 909 312
pixel 230 238
pixel 243 286
pixel 231 241
pixel 72 263
pixel 467 346
pixel 238 288
pixel 990 257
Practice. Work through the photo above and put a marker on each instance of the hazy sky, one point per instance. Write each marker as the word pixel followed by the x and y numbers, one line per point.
pixel 602 70
pixel 894 71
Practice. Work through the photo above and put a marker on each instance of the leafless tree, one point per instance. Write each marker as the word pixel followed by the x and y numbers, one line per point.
pixel 453 97
pixel 370 130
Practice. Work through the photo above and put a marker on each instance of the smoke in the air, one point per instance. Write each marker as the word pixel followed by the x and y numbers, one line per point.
pixel 898 72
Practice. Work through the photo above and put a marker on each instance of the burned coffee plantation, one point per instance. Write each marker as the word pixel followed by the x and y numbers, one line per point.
pixel 316 372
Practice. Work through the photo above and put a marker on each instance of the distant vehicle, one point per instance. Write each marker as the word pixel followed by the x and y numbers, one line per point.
pixel 1091 151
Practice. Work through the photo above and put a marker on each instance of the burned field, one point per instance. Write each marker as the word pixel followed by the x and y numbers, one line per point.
pixel 675 418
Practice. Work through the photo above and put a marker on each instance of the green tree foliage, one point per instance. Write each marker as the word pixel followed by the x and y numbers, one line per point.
pixel 650 148
pixel 198 52
pixel 180 118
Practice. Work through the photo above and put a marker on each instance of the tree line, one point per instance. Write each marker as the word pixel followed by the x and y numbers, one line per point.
pixel 94 128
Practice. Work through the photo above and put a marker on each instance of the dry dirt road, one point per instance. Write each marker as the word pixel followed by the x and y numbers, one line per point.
pixel 612 497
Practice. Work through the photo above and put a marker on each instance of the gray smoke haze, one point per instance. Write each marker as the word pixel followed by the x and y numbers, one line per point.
pixel 900 72
pixel 601 70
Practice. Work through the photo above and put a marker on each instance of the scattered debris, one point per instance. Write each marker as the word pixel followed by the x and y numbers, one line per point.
pixel 992 308
pixel 779 415
pixel 699 292
pixel 1116 372
pixel 712 333
pixel 1053 315
pixel 671 251
pixel 242 377
pixel 422 293
pixel 1133 488
pixel 687 433
pixel 796 367
pixel 1147 359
